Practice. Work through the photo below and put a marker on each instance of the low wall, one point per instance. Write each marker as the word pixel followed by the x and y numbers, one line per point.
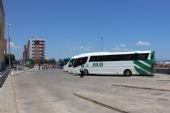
pixel 3 77
pixel 163 71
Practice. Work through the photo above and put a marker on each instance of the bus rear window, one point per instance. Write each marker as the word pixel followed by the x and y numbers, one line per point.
pixel 153 56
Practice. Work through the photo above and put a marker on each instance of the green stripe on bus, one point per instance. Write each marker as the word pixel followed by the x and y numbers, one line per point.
pixel 141 72
pixel 150 62
pixel 143 66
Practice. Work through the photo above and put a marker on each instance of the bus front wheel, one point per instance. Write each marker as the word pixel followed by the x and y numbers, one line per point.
pixel 127 72
pixel 86 72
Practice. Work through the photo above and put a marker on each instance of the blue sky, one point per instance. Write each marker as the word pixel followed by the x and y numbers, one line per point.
pixel 75 26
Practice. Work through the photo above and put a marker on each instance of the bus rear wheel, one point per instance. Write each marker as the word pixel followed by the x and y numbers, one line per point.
pixel 127 72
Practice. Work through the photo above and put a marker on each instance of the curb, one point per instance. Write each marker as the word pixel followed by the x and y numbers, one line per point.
pixel 20 72
pixel 14 93
pixel 17 73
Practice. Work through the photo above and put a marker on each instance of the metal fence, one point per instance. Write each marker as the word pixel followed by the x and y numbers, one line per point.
pixel 163 71
pixel 3 76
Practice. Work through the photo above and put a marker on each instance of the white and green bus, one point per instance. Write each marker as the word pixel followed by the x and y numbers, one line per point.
pixel 116 63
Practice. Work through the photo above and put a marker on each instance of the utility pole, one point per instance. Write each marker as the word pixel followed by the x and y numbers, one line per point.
pixel 101 43
pixel 9 41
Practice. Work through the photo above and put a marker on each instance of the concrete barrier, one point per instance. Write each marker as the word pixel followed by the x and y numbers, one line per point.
pixel 3 77
pixel 163 71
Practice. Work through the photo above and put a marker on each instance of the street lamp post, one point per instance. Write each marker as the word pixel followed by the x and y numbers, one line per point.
pixel 9 41
pixel 101 43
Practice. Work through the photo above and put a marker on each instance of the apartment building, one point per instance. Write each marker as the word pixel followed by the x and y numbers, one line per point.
pixel 34 49
pixel 26 52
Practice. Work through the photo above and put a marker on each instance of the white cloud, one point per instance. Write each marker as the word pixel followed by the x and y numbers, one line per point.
pixel 81 48
pixel 121 47
pixel 142 43
pixel 12 45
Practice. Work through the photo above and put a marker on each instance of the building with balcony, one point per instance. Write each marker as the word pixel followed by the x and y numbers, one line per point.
pixel 34 49
pixel 37 49
pixel 2 22
pixel 26 52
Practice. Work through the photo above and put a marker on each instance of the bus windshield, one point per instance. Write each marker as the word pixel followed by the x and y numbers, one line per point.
pixel 71 63
pixel 80 61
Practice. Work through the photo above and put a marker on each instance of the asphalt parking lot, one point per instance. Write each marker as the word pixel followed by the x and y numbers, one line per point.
pixel 55 91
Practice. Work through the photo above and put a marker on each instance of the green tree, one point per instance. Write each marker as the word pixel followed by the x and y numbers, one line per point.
pixel 29 62
pixel 12 59
pixel 60 62
pixel 42 61
pixel 51 61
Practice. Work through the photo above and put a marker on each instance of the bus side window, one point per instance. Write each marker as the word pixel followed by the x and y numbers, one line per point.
pixel 143 56
pixel 134 56
pixel 125 57
pixel 129 57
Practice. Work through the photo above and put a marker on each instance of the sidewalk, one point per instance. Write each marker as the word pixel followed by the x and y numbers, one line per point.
pixel 7 97
pixel 3 77
pixel 7 94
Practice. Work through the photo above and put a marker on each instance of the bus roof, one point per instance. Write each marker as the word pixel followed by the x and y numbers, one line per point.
pixel 108 53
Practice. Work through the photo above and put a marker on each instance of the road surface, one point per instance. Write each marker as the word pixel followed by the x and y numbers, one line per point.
pixel 55 91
